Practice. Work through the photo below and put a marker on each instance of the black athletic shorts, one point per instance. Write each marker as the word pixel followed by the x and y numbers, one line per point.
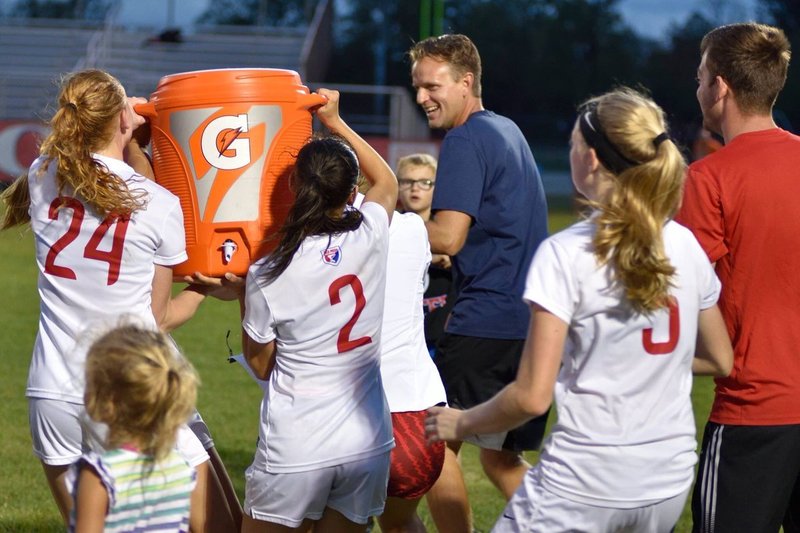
pixel 748 480
pixel 473 370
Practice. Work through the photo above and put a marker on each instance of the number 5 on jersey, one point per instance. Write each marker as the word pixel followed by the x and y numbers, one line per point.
pixel 668 346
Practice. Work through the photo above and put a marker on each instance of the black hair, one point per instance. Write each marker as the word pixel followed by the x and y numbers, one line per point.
pixel 324 176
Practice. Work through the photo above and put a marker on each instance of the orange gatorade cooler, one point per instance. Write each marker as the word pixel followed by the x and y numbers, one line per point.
pixel 224 141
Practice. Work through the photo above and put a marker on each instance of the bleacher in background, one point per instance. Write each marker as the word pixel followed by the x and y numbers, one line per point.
pixel 139 61
pixel 36 53
pixel 32 59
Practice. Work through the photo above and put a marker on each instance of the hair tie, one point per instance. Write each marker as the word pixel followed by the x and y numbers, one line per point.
pixel 660 138
pixel 72 105
pixel 608 154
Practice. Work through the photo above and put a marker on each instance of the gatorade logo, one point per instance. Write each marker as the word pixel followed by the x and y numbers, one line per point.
pixel 222 144
pixel 226 151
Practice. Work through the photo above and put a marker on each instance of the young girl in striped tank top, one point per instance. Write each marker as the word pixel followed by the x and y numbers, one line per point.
pixel 143 390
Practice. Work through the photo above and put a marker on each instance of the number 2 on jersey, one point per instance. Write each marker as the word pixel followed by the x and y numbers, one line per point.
pixel 91 251
pixel 661 348
pixel 344 343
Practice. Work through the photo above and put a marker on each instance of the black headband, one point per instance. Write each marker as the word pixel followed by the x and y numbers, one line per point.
pixel 607 153
pixel 660 138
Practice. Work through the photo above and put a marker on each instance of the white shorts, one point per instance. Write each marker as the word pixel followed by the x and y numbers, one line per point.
pixel 356 489
pixel 534 509
pixel 61 431
pixel 56 430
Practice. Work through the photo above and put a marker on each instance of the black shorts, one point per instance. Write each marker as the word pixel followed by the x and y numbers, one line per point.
pixel 474 369
pixel 748 479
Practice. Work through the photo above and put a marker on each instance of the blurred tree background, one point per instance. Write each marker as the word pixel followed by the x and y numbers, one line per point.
pixel 541 58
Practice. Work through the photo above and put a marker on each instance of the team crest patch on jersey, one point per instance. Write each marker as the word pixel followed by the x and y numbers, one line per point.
pixel 332 256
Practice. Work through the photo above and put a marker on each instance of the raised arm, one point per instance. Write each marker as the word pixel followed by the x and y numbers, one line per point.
pixel 135 153
pixel 383 183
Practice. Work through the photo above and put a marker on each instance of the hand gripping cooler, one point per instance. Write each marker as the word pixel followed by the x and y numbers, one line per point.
pixel 224 141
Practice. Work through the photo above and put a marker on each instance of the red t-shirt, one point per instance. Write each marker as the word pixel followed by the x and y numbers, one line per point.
pixel 743 205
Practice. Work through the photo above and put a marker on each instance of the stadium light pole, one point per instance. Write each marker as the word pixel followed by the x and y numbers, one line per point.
pixel 431 17
pixel 424 19
pixel 438 17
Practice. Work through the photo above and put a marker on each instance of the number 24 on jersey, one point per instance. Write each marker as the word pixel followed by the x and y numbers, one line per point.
pixel 71 207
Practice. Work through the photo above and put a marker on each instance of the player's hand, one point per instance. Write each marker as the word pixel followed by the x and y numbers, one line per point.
pixel 442 261
pixel 328 114
pixel 138 119
pixel 442 423
pixel 141 135
pixel 228 287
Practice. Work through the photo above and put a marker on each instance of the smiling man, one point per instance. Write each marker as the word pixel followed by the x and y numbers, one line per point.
pixel 489 215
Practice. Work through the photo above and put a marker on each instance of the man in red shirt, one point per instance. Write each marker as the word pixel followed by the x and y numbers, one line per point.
pixel 741 203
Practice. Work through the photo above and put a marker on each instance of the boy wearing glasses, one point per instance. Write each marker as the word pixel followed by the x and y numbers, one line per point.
pixel 416 177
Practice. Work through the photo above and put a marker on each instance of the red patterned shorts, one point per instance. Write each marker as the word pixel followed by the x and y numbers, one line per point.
pixel 415 465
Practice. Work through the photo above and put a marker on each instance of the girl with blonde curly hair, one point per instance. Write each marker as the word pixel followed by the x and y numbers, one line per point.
pixel 106 238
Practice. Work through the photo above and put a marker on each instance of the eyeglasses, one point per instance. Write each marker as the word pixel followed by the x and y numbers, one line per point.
pixel 425 185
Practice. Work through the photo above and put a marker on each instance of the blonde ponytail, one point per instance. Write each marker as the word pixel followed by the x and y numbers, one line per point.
pixel 644 197
pixel 141 387
pixel 17 199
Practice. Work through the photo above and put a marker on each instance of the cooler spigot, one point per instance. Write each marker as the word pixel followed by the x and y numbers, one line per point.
pixel 228 249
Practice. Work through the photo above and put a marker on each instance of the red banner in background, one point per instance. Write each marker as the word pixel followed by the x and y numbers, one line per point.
pixel 19 146
pixel 391 150
pixel 20 139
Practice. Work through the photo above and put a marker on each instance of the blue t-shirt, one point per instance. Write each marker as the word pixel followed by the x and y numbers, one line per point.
pixel 487 171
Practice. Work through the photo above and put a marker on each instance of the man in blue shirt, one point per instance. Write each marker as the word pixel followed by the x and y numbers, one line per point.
pixel 489 215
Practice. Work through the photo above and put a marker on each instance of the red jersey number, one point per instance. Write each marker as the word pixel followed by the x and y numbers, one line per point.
pixel 661 348
pixel 344 343
pixel 113 257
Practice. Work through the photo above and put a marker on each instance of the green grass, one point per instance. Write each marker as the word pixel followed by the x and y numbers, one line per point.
pixel 228 400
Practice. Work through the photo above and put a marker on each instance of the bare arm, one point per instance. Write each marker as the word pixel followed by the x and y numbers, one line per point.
pixel 172 312
pixel 529 395
pixel 447 231
pixel 714 353
pixel 136 157
pixel 382 180
pixel 91 504
pixel 260 357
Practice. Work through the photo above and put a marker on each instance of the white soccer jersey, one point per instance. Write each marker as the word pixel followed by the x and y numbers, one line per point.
pixel 410 377
pixel 325 403
pixel 625 435
pixel 90 270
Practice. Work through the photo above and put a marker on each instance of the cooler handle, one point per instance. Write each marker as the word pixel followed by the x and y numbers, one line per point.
pixel 147 110
pixel 312 100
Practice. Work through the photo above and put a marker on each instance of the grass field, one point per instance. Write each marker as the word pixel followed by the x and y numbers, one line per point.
pixel 228 400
